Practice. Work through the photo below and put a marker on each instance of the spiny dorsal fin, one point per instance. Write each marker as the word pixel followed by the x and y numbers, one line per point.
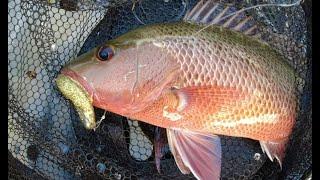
pixel 213 12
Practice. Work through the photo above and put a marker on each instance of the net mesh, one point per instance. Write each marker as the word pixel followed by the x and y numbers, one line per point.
pixel 45 137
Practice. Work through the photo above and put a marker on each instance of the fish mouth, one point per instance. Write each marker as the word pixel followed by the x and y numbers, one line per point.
pixel 79 95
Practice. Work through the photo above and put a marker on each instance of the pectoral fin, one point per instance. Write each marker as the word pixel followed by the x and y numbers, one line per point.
pixel 198 153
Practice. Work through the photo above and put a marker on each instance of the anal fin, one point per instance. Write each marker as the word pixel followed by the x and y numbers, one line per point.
pixel 195 152
pixel 275 149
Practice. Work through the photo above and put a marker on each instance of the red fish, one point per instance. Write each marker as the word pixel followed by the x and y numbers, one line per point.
pixel 196 82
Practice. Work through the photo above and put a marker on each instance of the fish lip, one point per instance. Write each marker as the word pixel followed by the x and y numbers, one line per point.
pixel 84 84
pixel 72 75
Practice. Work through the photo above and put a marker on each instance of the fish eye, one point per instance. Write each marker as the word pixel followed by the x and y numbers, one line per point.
pixel 105 53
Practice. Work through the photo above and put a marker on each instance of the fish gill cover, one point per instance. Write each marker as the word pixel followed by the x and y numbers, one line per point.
pixel 45 137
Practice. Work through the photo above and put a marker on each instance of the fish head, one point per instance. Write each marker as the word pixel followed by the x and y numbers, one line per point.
pixel 122 76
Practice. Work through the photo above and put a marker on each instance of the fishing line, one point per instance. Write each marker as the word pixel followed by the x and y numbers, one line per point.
pixel 134 12
pixel 137 74
pixel 99 122
pixel 253 7
pixel 184 3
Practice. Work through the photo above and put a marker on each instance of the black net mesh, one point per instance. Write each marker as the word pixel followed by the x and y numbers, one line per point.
pixel 45 137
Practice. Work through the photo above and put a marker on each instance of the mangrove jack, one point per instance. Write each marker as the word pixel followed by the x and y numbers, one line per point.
pixel 196 81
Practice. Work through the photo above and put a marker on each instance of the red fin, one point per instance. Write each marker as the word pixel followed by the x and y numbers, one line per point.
pixel 198 153
pixel 275 149
pixel 172 145
pixel 212 91
pixel 220 97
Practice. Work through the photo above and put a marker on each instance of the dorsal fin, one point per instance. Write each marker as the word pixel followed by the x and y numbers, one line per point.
pixel 210 12
pixel 213 12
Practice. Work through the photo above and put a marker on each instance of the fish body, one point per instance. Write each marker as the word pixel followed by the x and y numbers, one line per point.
pixel 217 81
pixel 195 82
